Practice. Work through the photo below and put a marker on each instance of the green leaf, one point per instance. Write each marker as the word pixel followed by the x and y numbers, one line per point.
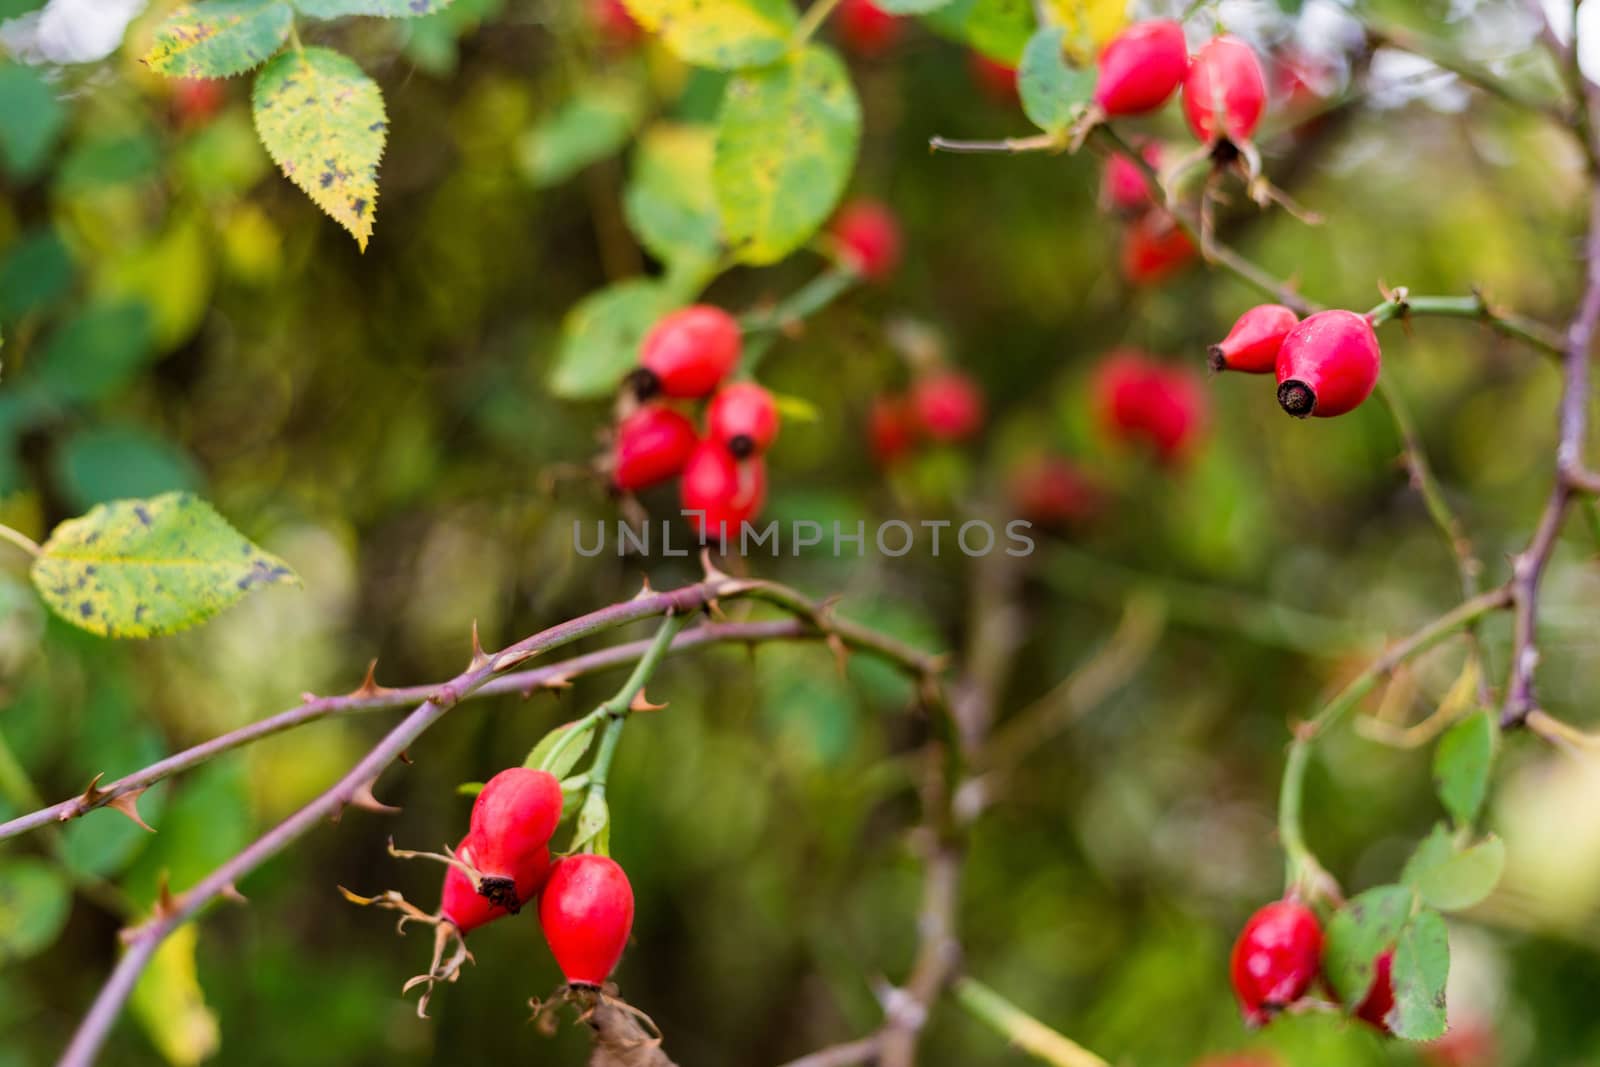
pixel 571 751
pixel 323 123
pixel 786 142
pixel 725 34
pixel 112 462
pixel 1053 93
pixel 796 408
pixel 1462 761
pixel 95 354
pixel 1451 879
pixel 171 1006
pixel 389 9
pixel 1421 969
pixel 668 202
pixel 594 823
pixel 219 39
pixel 105 161
pixel 1358 933
pixel 36 272
pixel 594 124
pixel 600 337
pixel 1000 29
pixel 35 900
pixel 139 568
pixel 31 118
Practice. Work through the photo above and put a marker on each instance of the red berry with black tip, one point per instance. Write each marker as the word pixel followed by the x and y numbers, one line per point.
pixel 947 405
pixel 462 904
pixel 587 913
pixel 743 417
pixel 688 353
pixel 512 821
pixel 1123 188
pixel 1276 959
pixel 1379 1001
pixel 891 429
pixel 1141 67
pixel 1225 92
pixel 1253 343
pixel 868 238
pixel 719 492
pixel 1328 364
pixel 865 28
pixel 652 445
pixel 1154 248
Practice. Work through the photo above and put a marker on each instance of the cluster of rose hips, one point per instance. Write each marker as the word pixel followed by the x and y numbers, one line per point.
pixel 943 406
pixel 1326 365
pixel 687 356
pixel 1278 958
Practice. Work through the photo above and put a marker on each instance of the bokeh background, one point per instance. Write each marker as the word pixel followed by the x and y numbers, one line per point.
pixel 176 315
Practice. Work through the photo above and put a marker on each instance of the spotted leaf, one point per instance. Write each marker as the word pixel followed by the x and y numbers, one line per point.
pixel 786 142
pixel 389 9
pixel 725 34
pixel 219 39
pixel 322 121
pixel 140 568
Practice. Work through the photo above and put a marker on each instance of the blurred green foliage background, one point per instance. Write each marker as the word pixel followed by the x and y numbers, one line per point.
pixel 178 316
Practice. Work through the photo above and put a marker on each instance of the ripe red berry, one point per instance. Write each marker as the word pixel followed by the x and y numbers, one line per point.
pixel 1155 248
pixel 688 353
pixel 994 79
pixel 719 493
pixel 587 913
pixel 1163 407
pixel 1275 959
pixel 743 417
pixel 868 238
pixel 1050 491
pixel 1328 364
pixel 614 22
pixel 460 901
pixel 652 445
pixel 1252 345
pixel 1379 1000
pixel 1123 188
pixel 865 28
pixel 1225 91
pixel 195 100
pixel 947 405
pixel 891 429
pixel 1141 67
pixel 512 821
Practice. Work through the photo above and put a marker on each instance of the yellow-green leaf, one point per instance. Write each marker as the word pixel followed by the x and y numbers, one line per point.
pixel 786 143
pixel 219 39
pixel 139 568
pixel 600 337
pixel 668 201
pixel 725 34
pixel 322 121
pixel 35 900
pixel 171 1006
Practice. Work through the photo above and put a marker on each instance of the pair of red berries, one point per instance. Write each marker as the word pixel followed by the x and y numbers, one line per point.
pixel 1326 365
pixel 1154 246
pixel 1224 89
pixel 944 405
pixel 585 901
pixel 1278 958
pixel 1160 406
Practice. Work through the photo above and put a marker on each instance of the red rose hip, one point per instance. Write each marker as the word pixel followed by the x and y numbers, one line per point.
pixel 587 913
pixel 1253 343
pixel 512 821
pixel 743 417
pixel 614 22
pixel 891 429
pixel 947 406
pixel 1328 364
pixel 719 493
pixel 1276 959
pixel 1141 68
pixel 652 445
pixel 865 28
pixel 1154 248
pixel 462 904
pixel 1122 187
pixel 1379 1001
pixel 1224 92
pixel 868 238
pixel 688 353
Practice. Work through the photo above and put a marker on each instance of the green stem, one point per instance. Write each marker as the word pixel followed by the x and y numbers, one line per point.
pixel 1302 863
pixel 812 20
pixel 1475 308
pixel 1021 1029
pixel 810 298
pixel 21 540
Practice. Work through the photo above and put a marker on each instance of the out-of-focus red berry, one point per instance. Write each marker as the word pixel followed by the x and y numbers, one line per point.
pixel 1154 248
pixel 652 445
pixel 1138 400
pixel 1141 67
pixel 614 23
pixel 719 492
pixel 948 405
pixel 1123 188
pixel 1467 1044
pixel 1225 91
pixel 865 28
pixel 994 79
pixel 1051 491
pixel 868 238
pixel 743 417
pixel 688 353
pixel 891 429
pixel 196 100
